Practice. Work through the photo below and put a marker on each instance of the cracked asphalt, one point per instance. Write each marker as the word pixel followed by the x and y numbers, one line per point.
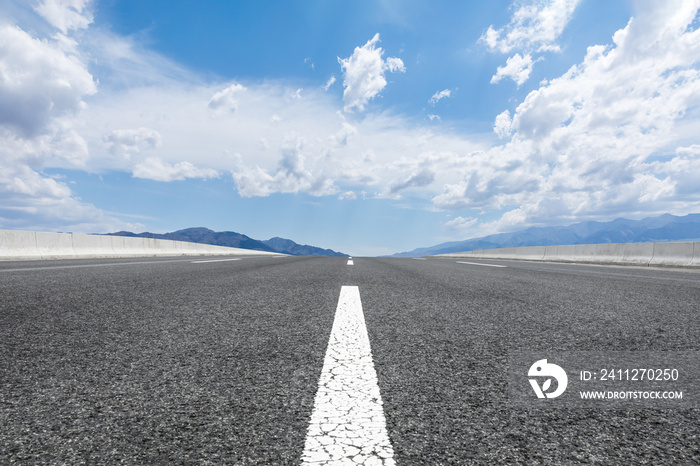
pixel 162 361
pixel 347 424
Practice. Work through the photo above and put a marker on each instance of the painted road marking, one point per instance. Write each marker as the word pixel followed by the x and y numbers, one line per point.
pixel 347 423
pixel 419 258
pixel 215 260
pixel 485 265
pixel 102 264
pixel 350 262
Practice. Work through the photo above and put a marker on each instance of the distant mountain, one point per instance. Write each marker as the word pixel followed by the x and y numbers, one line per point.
pixel 235 240
pixel 664 228
pixel 288 246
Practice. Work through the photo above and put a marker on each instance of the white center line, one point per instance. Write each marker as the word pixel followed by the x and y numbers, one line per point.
pixel 485 265
pixel 350 262
pixel 419 258
pixel 347 423
pixel 215 260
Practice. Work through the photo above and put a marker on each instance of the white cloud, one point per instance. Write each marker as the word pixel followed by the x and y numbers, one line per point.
pixel 32 201
pixel 459 223
pixel 227 98
pixel 70 146
pixel 156 169
pixel 26 182
pixel 502 124
pixel 40 82
pixel 364 73
pixel 416 180
pixel 517 68
pixel 533 26
pixel 585 145
pixel 42 90
pixel 438 96
pixel 616 135
pixel 684 170
pixel 329 83
pixel 343 136
pixel 66 15
pixel 126 141
pixel 166 124
pixel 291 175
pixel 309 146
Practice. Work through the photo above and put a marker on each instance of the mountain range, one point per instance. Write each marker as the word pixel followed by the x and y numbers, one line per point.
pixel 236 240
pixel 663 228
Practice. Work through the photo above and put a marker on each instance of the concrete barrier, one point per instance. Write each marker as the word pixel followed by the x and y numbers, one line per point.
pixel 187 248
pixel 55 245
pixel 18 244
pixel 641 254
pixel 696 255
pixel 119 246
pixel 566 253
pixel 93 245
pixel 584 252
pixel 134 247
pixel 637 253
pixel 26 245
pixel 610 253
pixel 535 253
pixel 679 254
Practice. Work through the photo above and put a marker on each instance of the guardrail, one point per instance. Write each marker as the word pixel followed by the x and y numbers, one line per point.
pixel 27 245
pixel 644 254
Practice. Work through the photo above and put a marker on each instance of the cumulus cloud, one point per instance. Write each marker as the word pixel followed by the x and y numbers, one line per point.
pixel 31 200
pixel 607 138
pixel 684 171
pixel 40 82
pixel 364 73
pixel 438 96
pixel 615 135
pixel 535 26
pixel 290 176
pixel 44 82
pixel 517 68
pixel 227 99
pixel 502 124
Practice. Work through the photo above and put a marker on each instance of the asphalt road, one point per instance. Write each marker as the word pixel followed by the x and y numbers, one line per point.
pixel 169 361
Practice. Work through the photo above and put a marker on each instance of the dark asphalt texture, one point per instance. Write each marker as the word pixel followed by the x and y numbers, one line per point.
pixel 162 361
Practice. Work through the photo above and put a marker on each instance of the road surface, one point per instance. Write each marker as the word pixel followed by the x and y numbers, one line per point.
pixel 214 360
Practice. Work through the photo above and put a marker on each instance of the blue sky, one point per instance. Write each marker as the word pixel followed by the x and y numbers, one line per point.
pixel 368 127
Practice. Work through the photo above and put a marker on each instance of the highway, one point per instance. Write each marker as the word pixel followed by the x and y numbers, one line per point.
pixel 217 360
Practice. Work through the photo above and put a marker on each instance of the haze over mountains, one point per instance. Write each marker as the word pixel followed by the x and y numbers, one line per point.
pixel 236 240
pixel 664 228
